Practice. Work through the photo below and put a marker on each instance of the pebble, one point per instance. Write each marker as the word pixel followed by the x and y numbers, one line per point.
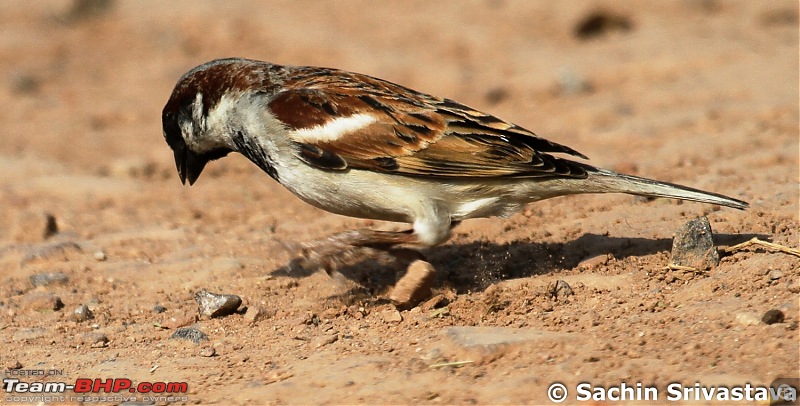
pixel 179 321
pixel 794 287
pixel 47 279
pixel 773 316
pixel 392 316
pixel 561 289
pixel 207 351
pixel 100 256
pixel 747 319
pixel 189 333
pixel 82 313
pixel 255 314
pixel 775 274
pixel 414 286
pixel 693 245
pixel 216 305
pixel 42 301
pixel 14 365
pixel 157 309
pixel 94 339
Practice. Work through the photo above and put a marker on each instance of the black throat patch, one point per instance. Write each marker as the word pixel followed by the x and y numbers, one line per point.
pixel 255 153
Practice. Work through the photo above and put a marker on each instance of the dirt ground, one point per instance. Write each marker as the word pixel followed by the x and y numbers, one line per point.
pixel 702 93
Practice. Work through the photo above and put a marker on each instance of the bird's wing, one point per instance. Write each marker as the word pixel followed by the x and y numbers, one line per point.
pixel 341 120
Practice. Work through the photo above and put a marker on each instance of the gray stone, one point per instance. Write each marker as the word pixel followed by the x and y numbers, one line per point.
pixel 47 279
pixel 693 245
pixel 216 305
pixel 82 313
pixel 561 289
pixel 190 333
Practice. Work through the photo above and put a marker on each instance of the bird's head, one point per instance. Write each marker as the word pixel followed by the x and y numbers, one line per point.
pixel 197 119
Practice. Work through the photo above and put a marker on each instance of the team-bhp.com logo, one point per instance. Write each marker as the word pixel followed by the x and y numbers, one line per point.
pixel 85 389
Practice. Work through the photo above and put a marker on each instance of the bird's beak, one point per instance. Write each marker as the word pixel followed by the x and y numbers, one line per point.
pixel 189 165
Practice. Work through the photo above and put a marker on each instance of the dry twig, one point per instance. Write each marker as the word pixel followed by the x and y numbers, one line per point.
pixel 767 244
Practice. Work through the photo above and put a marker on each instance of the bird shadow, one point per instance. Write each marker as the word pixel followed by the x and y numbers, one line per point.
pixel 474 266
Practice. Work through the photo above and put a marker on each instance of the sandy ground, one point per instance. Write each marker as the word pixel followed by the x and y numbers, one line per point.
pixel 700 93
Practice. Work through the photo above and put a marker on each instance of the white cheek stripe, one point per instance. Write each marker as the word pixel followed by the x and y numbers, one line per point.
pixel 334 129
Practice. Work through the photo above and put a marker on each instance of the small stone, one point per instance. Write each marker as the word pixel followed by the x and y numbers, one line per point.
pixel 599 23
pixel 255 314
pixel 747 318
pixel 414 286
pixel 216 305
pixel 50 226
pixel 14 365
pixel 693 245
pixel 100 256
pixel 775 274
pixel 772 316
pixel 189 333
pixel 94 339
pixel 310 319
pixel 496 95
pixel 82 313
pixel 207 351
pixel 392 316
pixel 179 321
pixel 560 290
pixel 325 340
pixel 42 301
pixel 157 309
pixel 47 279
pixel 794 287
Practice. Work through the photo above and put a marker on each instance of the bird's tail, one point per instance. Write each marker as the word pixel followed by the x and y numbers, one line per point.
pixel 609 181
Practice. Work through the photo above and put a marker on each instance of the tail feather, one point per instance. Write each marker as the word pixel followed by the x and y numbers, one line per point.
pixel 617 182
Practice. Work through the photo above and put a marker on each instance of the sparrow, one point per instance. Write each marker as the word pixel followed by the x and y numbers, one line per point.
pixel 364 147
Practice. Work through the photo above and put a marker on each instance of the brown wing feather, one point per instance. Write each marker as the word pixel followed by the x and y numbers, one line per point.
pixel 415 134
